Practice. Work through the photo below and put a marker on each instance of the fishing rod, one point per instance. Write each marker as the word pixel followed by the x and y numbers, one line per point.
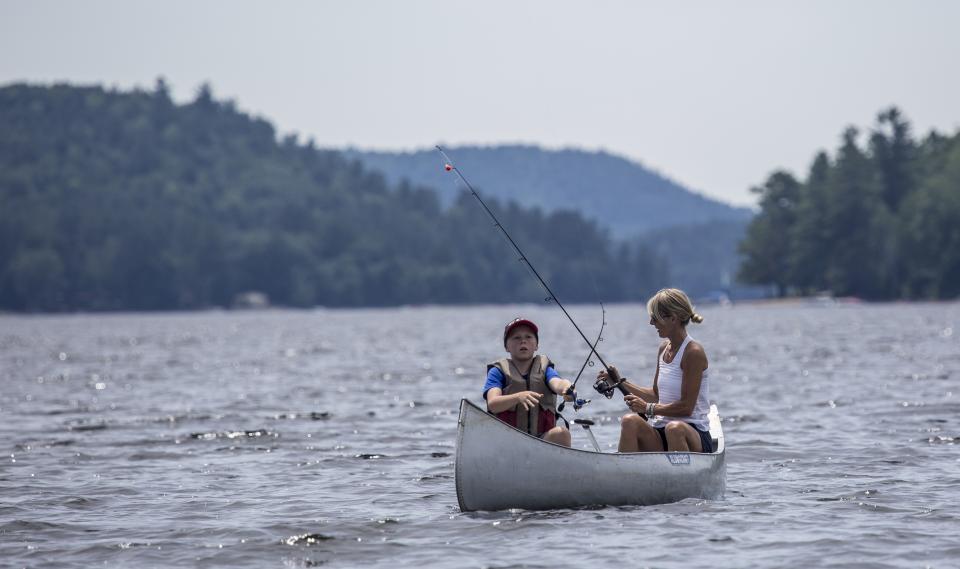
pixel 572 390
pixel 606 388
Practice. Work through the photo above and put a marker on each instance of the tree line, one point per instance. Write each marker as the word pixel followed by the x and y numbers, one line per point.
pixel 878 220
pixel 115 200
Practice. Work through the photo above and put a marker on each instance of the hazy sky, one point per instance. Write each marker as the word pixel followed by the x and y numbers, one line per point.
pixel 712 94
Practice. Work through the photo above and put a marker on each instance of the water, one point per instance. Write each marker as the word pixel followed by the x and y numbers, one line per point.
pixel 306 438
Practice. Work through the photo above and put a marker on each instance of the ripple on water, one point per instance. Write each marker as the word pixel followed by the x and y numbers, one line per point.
pixel 311 416
pixel 84 425
pixel 942 440
pixel 179 418
pixel 155 455
pixel 251 434
pixel 82 503
pixel 308 539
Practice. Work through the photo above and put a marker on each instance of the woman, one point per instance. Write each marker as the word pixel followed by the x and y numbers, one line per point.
pixel 678 402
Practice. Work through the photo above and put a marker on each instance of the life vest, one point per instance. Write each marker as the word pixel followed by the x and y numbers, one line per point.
pixel 514 382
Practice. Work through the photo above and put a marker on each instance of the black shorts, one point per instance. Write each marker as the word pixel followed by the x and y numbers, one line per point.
pixel 705 440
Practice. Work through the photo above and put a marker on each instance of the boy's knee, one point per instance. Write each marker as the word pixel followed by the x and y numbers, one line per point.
pixel 559 435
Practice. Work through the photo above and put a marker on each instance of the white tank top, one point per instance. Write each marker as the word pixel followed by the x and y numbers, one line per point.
pixel 668 385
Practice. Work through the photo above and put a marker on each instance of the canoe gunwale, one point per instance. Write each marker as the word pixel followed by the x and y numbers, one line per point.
pixel 713 409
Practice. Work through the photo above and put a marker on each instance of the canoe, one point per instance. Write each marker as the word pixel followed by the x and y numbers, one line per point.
pixel 499 467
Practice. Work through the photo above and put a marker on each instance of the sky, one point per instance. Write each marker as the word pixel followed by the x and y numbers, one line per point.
pixel 714 95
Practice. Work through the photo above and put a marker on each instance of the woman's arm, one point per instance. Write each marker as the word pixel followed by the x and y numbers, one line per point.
pixel 646 393
pixel 640 396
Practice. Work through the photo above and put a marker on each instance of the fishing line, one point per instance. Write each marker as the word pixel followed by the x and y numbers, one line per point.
pixel 603 323
pixel 588 361
pixel 450 166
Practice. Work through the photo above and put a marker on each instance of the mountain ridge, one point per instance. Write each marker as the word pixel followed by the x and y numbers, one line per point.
pixel 620 197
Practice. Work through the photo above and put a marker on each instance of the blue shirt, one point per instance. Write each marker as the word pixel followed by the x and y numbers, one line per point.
pixel 495 378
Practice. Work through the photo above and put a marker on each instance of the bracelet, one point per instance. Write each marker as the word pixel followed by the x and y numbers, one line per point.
pixel 650 407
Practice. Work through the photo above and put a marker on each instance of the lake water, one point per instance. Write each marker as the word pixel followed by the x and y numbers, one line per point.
pixel 326 437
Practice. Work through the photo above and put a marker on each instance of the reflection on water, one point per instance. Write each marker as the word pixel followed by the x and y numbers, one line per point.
pixel 303 438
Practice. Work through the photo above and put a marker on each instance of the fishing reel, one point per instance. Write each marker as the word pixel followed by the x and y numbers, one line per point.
pixel 578 402
pixel 611 384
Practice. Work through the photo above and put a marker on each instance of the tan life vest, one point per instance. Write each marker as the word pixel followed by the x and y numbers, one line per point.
pixel 528 421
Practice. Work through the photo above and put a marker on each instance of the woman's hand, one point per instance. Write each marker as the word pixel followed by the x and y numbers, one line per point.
pixel 635 403
pixel 603 375
pixel 529 399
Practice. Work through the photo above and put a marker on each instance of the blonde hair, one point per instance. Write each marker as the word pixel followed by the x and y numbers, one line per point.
pixel 672 302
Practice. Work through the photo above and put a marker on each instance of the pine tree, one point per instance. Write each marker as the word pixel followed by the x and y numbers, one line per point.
pixel 767 246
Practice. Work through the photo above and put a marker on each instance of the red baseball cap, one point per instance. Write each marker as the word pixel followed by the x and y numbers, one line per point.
pixel 519 322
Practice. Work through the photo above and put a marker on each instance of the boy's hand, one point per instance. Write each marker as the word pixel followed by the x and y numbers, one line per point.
pixel 529 399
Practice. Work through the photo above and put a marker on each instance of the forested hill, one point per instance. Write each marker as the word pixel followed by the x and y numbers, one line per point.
pixel 880 219
pixel 127 201
pixel 622 195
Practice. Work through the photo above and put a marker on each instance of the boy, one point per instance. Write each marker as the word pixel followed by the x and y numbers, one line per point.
pixel 522 390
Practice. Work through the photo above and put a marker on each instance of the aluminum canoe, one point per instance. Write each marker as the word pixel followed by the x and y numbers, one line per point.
pixel 499 467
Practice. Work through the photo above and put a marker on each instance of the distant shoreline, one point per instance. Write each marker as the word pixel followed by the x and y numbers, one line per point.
pixel 797 301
